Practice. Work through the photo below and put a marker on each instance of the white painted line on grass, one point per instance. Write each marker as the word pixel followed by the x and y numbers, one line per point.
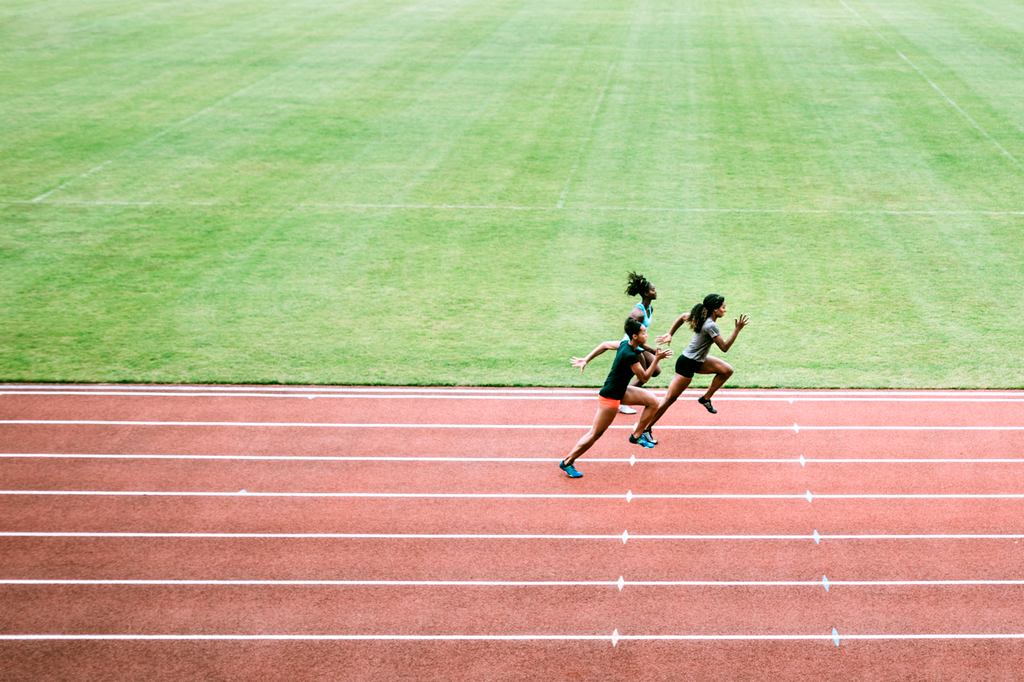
pixel 691 427
pixel 586 139
pixel 57 189
pixel 149 139
pixel 930 82
pixel 497 207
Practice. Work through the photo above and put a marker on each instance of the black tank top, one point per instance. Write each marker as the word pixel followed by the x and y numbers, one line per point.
pixel 621 372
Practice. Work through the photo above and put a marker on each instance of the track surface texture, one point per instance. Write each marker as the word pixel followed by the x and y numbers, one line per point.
pixel 266 533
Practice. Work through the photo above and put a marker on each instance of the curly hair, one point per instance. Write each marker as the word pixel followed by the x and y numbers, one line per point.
pixel 699 313
pixel 637 285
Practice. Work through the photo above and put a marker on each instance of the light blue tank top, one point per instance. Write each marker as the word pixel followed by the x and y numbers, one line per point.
pixel 646 322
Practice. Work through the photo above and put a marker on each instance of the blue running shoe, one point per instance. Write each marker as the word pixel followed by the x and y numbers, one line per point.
pixel 641 441
pixel 650 437
pixel 569 470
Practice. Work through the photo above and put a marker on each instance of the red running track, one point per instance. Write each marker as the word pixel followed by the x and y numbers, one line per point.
pixel 380 526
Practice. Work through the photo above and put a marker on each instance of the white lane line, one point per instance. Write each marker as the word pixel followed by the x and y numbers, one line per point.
pixel 485 536
pixel 546 460
pixel 131 493
pixel 518 583
pixel 577 396
pixel 517 638
pixel 526 496
pixel 507 390
pixel 930 82
pixel 497 207
pixel 307 389
pixel 97 422
pixel 361 396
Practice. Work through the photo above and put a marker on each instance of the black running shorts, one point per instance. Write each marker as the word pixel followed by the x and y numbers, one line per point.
pixel 687 366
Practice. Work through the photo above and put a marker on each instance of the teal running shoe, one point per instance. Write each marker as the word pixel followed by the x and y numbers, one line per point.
pixel 569 470
pixel 641 441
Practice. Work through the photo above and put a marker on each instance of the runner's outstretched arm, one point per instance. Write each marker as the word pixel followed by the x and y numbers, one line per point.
pixel 666 339
pixel 582 362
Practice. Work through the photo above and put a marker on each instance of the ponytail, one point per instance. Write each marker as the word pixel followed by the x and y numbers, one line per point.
pixel 637 285
pixel 699 313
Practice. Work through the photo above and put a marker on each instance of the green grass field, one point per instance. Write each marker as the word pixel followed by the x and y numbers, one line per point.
pixel 452 191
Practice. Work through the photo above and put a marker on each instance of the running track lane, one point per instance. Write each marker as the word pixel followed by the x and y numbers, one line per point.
pixel 965 477
pixel 639 610
pixel 605 560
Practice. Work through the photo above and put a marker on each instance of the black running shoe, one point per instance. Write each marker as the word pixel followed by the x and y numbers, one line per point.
pixel 707 404
pixel 650 436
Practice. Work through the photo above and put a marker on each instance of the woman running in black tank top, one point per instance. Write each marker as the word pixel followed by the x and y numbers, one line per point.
pixel 617 390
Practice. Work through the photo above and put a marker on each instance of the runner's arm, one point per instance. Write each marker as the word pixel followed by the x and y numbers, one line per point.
pixel 680 321
pixel 582 362
pixel 644 375
pixel 726 345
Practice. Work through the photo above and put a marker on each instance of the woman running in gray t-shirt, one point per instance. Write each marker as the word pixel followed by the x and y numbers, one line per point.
pixel 703 319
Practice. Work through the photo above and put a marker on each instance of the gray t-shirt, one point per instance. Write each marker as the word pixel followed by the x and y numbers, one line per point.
pixel 702 340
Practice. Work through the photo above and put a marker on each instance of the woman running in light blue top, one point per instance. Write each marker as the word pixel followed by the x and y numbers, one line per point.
pixel 642 312
pixel 703 319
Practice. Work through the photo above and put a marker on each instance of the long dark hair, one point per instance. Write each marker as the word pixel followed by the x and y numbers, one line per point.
pixel 700 312
pixel 637 285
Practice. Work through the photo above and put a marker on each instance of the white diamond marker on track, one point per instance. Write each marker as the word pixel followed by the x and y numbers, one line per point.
pixel 808 495
pixel 796 428
pixel 803 462
pixel 632 460
pixel 615 637
pixel 622 583
pixel 625 536
pixel 824 581
pixel 629 495
pixel 817 538
pixel 835 636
